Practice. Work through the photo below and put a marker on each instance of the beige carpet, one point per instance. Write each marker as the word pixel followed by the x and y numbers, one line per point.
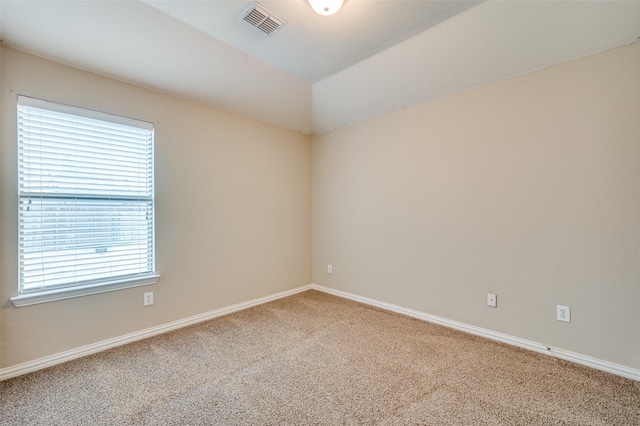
pixel 315 359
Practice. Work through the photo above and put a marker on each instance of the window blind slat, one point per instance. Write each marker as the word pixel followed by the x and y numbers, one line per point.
pixel 46 154
pixel 40 141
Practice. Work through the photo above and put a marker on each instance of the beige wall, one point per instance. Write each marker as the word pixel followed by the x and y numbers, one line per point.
pixel 1 203
pixel 529 188
pixel 233 212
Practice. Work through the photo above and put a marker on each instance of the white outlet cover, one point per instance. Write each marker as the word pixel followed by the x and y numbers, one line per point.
pixel 492 300
pixel 563 313
pixel 148 298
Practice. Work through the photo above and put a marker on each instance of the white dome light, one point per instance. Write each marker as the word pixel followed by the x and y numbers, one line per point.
pixel 325 7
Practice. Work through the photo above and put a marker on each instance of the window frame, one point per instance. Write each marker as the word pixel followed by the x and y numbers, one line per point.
pixel 87 287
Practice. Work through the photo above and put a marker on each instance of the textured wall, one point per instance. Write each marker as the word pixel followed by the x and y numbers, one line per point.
pixel 233 212
pixel 528 188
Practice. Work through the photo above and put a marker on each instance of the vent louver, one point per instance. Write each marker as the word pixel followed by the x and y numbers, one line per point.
pixel 263 19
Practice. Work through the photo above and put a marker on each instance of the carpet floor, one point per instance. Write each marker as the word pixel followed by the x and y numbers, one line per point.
pixel 316 359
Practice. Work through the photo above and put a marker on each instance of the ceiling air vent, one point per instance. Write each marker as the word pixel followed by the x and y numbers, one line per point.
pixel 263 19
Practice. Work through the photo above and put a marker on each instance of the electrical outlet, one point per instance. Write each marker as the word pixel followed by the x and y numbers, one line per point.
pixel 563 313
pixel 492 300
pixel 148 299
pixel 329 269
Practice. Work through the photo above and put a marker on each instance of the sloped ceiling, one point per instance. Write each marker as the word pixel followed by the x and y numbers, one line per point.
pixel 133 42
pixel 486 44
pixel 316 73
pixel 313 47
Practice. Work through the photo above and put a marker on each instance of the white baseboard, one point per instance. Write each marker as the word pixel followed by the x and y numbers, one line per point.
pixel 49 361
pixel 596 363
pixel 61 357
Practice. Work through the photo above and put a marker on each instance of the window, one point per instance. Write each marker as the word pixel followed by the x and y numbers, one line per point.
pixel 85 187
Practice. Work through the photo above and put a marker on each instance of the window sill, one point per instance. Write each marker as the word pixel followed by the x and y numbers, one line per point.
pixel 85 290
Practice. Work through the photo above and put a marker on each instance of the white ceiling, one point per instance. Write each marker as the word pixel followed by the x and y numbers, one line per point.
pixel 316 73
pixel 309 46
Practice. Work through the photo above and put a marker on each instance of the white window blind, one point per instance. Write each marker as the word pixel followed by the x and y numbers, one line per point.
pixel 85 197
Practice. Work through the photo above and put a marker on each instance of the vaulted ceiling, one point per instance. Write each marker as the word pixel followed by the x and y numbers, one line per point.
pixel 315 73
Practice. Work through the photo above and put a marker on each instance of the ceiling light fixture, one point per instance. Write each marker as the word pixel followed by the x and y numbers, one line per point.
pixel 325 7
